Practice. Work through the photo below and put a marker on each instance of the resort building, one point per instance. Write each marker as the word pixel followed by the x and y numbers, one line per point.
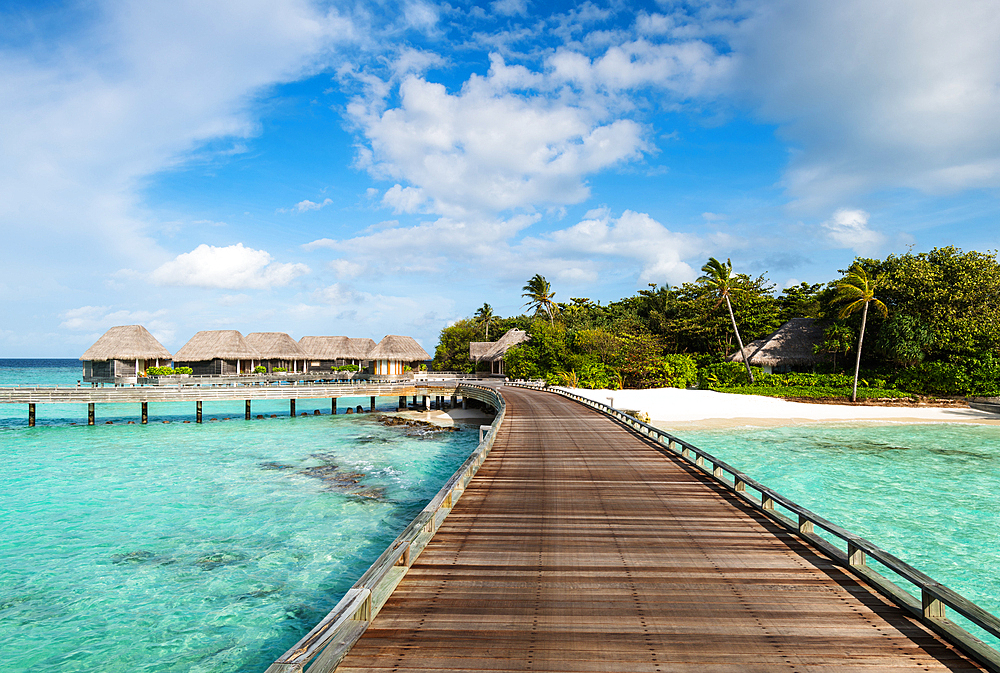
pixel 394 354
pixel 216 353
pixel 324 352
pixel 277 350
pixel 493 352
pixel 788 349
pixel 122 354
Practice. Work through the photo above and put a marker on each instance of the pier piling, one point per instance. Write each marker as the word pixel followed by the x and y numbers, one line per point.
pixel 31 414
pixel 247 410
pixel 333 406
pixel 291 408
pixel 90 414
pixel 373 404
pixel 145 413
pixel 197 412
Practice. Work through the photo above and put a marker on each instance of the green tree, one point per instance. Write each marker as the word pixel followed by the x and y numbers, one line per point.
pixel 452 352
pixel 539 294
pixel 484 318
pixel 800 301
pixel 719 277
pixel 837 338
pixel 858 290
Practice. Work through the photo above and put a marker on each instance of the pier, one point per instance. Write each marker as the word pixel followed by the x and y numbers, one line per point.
pixel 579 539
pixel 432 395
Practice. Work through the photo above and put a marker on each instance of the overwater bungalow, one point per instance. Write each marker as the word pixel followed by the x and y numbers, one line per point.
pixel 493 352
pixel 217 353
pixel 393 354
pixel 788 349
pixel 122 354
pixel 277 350
pixel 324 352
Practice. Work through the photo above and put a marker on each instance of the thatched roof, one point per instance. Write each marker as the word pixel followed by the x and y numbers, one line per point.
pixel 500 347
pixel 126 342
pixel 275 345
pixel 336 347
pixel 478 349
pixel 394 347
pixel 226 344
pixel 792 344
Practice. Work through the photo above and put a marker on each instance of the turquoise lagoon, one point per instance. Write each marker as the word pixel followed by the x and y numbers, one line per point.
pixel 185 547
pixel 927 493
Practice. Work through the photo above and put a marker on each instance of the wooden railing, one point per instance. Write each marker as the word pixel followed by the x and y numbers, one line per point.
pixel 929 607
pixel 327 643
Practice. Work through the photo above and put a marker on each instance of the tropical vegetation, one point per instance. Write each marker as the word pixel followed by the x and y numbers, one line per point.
pixel 912 324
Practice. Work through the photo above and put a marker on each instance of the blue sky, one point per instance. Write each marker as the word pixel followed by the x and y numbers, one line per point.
pixel 371 168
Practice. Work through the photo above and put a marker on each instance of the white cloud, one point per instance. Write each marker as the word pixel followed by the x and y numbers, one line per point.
pixel 403 199
pixel 876 95
pixel 486 150
pixel 849 229
pixel 345 268
pixel 509 7
pixel 130 90
pixel 305 206
pixel 233 267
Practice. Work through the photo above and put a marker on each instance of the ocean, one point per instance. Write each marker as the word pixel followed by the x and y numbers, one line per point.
pixel 185 547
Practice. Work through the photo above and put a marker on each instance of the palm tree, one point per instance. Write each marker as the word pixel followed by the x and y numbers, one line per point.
pixel 484 316
pixel 540 294
pixel 719 277
pixel 858 289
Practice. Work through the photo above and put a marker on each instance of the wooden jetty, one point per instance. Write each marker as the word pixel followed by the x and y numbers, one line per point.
pixel 588 541
pixel 248 392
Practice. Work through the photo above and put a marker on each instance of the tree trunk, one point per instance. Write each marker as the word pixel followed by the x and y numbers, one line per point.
pixel 739 340
pixel 857 361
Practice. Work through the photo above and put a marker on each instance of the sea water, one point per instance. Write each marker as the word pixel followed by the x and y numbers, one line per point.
pixel 927 493
pixel 186 547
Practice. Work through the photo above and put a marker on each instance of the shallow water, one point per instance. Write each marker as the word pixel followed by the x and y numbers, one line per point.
pixel 927 493
pixel 185 547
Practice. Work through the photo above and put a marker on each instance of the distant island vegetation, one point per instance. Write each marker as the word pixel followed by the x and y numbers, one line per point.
pixel 927 324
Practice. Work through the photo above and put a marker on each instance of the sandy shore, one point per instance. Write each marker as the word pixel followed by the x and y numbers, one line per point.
pixel 450 417
pixel 706 408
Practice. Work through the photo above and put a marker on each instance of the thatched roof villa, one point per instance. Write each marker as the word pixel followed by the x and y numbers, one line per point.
pixel 217 352
pixel 790 348
pixel 324 352
pixel 493 352
pixel 393 353
pixel 121 354
pixel 277 349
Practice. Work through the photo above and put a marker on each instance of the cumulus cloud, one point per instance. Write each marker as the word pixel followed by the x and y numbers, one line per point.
pixel 345 268
pixel 875 95
pixel 233 267
pixel 486 149
pixel 849 229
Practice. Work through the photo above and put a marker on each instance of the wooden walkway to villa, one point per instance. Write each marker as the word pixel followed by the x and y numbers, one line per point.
pixel 579 546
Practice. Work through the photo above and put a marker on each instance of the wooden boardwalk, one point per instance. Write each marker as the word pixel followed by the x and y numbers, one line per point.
pixel 580 547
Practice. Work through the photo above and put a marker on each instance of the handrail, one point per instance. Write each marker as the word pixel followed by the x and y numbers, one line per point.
pixel 329 641
pixel 929 608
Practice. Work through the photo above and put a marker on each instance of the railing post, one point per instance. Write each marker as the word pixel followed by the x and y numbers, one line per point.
pixel 855 556
pixel 805 525
pixel 933 608
pixel 717 471
pixel 766 502
pixel 739 485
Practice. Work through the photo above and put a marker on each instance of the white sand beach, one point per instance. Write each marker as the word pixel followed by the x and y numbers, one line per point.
pixel 691 408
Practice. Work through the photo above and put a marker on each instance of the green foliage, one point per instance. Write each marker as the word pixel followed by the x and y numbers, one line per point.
pixel 539 295
pixel 279 369
pixel 724 375
pixel 800 301
pixel 260 369
pixel 955 294
pixel 902 340
pixel 159 371
pixel 183 370
pixel 452 352
pixel 345 368
pixel 937 378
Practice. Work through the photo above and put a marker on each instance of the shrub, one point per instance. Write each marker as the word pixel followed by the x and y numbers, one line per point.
pixel 280 369
pixel 725 375
pixel 260 369
pixel 938 378
pixel 183 370
pixel 159 371
pixel 679 371
pixel 345 368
